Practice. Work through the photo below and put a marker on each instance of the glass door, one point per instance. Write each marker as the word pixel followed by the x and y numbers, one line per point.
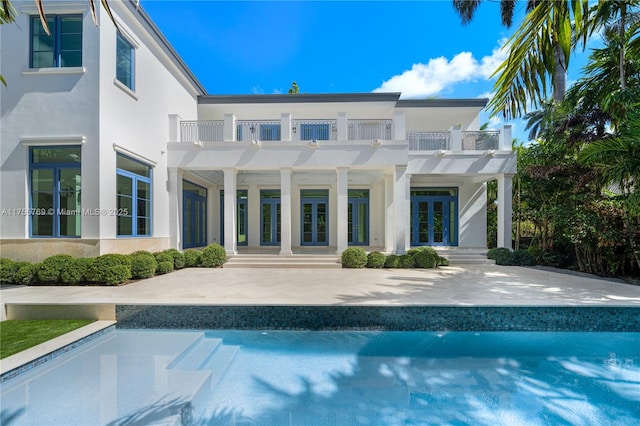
pixel 434 217
pixel 242 217
pixel 270 217
pixel 314 206
pixel 194 219
pixel 358 217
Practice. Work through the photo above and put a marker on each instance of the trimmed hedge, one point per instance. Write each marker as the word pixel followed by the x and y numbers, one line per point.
pixel 178 258
pixel 25 273
pixel 143 265
pixel 507 257
pixel 8 269
pixel 164 267
pixel 75 271
pixel 192 258
pixel 375 259
pixel 213 256
pixel 354 257
pixel 426 259
pixel 51 268
pixel 110 269
pixel 393 261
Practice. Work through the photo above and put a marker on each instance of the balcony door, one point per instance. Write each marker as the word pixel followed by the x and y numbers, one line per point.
pixel 314 212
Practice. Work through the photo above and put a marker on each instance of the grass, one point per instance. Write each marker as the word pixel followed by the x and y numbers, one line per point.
pixel 18 335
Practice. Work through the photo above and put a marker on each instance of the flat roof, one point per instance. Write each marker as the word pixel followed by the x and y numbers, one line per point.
pixel 442 103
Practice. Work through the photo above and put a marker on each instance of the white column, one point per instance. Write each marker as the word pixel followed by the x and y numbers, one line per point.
pixel 285 212
pixel 389 214
pixel 342 124
pixel 399 126
pixel 174 187
pixel 230 235
pixel 229 128
pixel 400 207
pixel 407 212
pixel 505 138
pixel 285 126
pixel 505 210
pixel 455 138
pixel 174 128
pixel 343 209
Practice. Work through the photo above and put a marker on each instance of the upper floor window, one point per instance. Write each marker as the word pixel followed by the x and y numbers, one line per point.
pixel 55 191
pixel 125 62
pixel 63 48
pixel 133 193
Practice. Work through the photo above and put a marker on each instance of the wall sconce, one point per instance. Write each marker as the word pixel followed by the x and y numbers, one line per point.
pixel 294 129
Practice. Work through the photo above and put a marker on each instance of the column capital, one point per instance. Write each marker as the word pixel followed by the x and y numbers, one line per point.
pixel 342 169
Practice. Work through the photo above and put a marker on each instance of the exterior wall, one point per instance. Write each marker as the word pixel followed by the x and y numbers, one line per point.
pixel 59 104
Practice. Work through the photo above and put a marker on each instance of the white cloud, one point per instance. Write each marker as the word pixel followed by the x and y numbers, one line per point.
pixel 429 79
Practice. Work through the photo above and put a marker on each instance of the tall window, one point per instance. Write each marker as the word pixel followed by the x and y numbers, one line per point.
pixel 125 62
pixel 63 48
pixel 133 192
pixel 55 191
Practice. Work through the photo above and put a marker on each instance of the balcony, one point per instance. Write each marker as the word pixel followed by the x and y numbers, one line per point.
pixel 457 140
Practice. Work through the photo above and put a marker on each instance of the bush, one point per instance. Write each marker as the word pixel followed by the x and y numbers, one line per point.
pixel 25 273
pixel 51 267
pixel 8 269
pixel 143 265
pixel 443 261
pixel 74 272
pixel 354 257
pixel 426 259
pixel 392 261
pixel 501 255
pixel 163 257
pixel 178 258
pixel 110 269
pixel 375 259
pixel 164 267
pixel 192 258
pixel 213 256
pixel 405 261
pixel 522 258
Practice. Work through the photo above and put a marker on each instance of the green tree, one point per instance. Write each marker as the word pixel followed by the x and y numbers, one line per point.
pixel 294 89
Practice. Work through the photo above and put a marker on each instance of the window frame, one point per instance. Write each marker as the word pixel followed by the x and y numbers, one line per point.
pixel 56 167
pixel 135 178
pixel 56 35
pixel 130 83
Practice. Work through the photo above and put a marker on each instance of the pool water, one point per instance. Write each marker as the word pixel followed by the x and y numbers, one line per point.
pixel 175 377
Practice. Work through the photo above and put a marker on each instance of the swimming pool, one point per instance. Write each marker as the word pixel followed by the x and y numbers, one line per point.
pixel 334 378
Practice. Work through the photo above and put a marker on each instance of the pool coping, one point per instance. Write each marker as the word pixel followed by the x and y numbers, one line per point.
pixel 24 361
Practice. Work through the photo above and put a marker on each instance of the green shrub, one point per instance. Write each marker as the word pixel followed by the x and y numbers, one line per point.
pixel 442 261
pixel 178 258
pixel 25 273
pixel 501 255
pixel 213 256
pixel 414 251
pixel 375 259
pixel 110 269
pixel 522 258
pixel 50 269
pixel 8 269
pixel 192 258
pixel 354 257
pixel 148 253
pixel 163 257
pixel 405 261
pixel 426 259
pixel 143 265
pixel 392 261
pixel 74 272
pixel 164 267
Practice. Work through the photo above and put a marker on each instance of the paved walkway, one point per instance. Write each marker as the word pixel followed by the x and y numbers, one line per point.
pixel 471 285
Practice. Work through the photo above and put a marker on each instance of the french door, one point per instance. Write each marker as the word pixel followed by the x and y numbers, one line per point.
pixel 270 217
pixel 194 215
pixel 434 220
pixel 314 205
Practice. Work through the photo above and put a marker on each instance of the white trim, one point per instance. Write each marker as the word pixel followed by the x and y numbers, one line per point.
pixel 54 70
pixel 122 150
pixel 52 140
pixel 124 33
pixel 55 8
pixel 125 89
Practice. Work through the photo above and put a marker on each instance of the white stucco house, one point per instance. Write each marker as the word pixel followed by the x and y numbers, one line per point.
pixel 109 143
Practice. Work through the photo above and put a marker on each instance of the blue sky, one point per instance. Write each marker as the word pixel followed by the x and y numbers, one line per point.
pixel 419 48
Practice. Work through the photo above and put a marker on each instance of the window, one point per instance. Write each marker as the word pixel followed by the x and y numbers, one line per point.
pixel 133 193
pixel 63 48
pixel 124 62
pixel 55 191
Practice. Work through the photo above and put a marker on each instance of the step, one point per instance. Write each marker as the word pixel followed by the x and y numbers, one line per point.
pixel 196 355
pixel 219 361
pixel 309 261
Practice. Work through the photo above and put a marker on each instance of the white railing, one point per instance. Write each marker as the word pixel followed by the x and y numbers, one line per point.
pixel 201 131
pixel 428 141
pixel 247 131
pixel 370 130
pixel 481 140
pixel 309 130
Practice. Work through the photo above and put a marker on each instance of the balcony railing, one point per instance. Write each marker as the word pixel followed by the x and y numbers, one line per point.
pixel 428 141
pixel 482 140
pixel 310 130
pixel 370 130
pixel 201 131
pixel 247 131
